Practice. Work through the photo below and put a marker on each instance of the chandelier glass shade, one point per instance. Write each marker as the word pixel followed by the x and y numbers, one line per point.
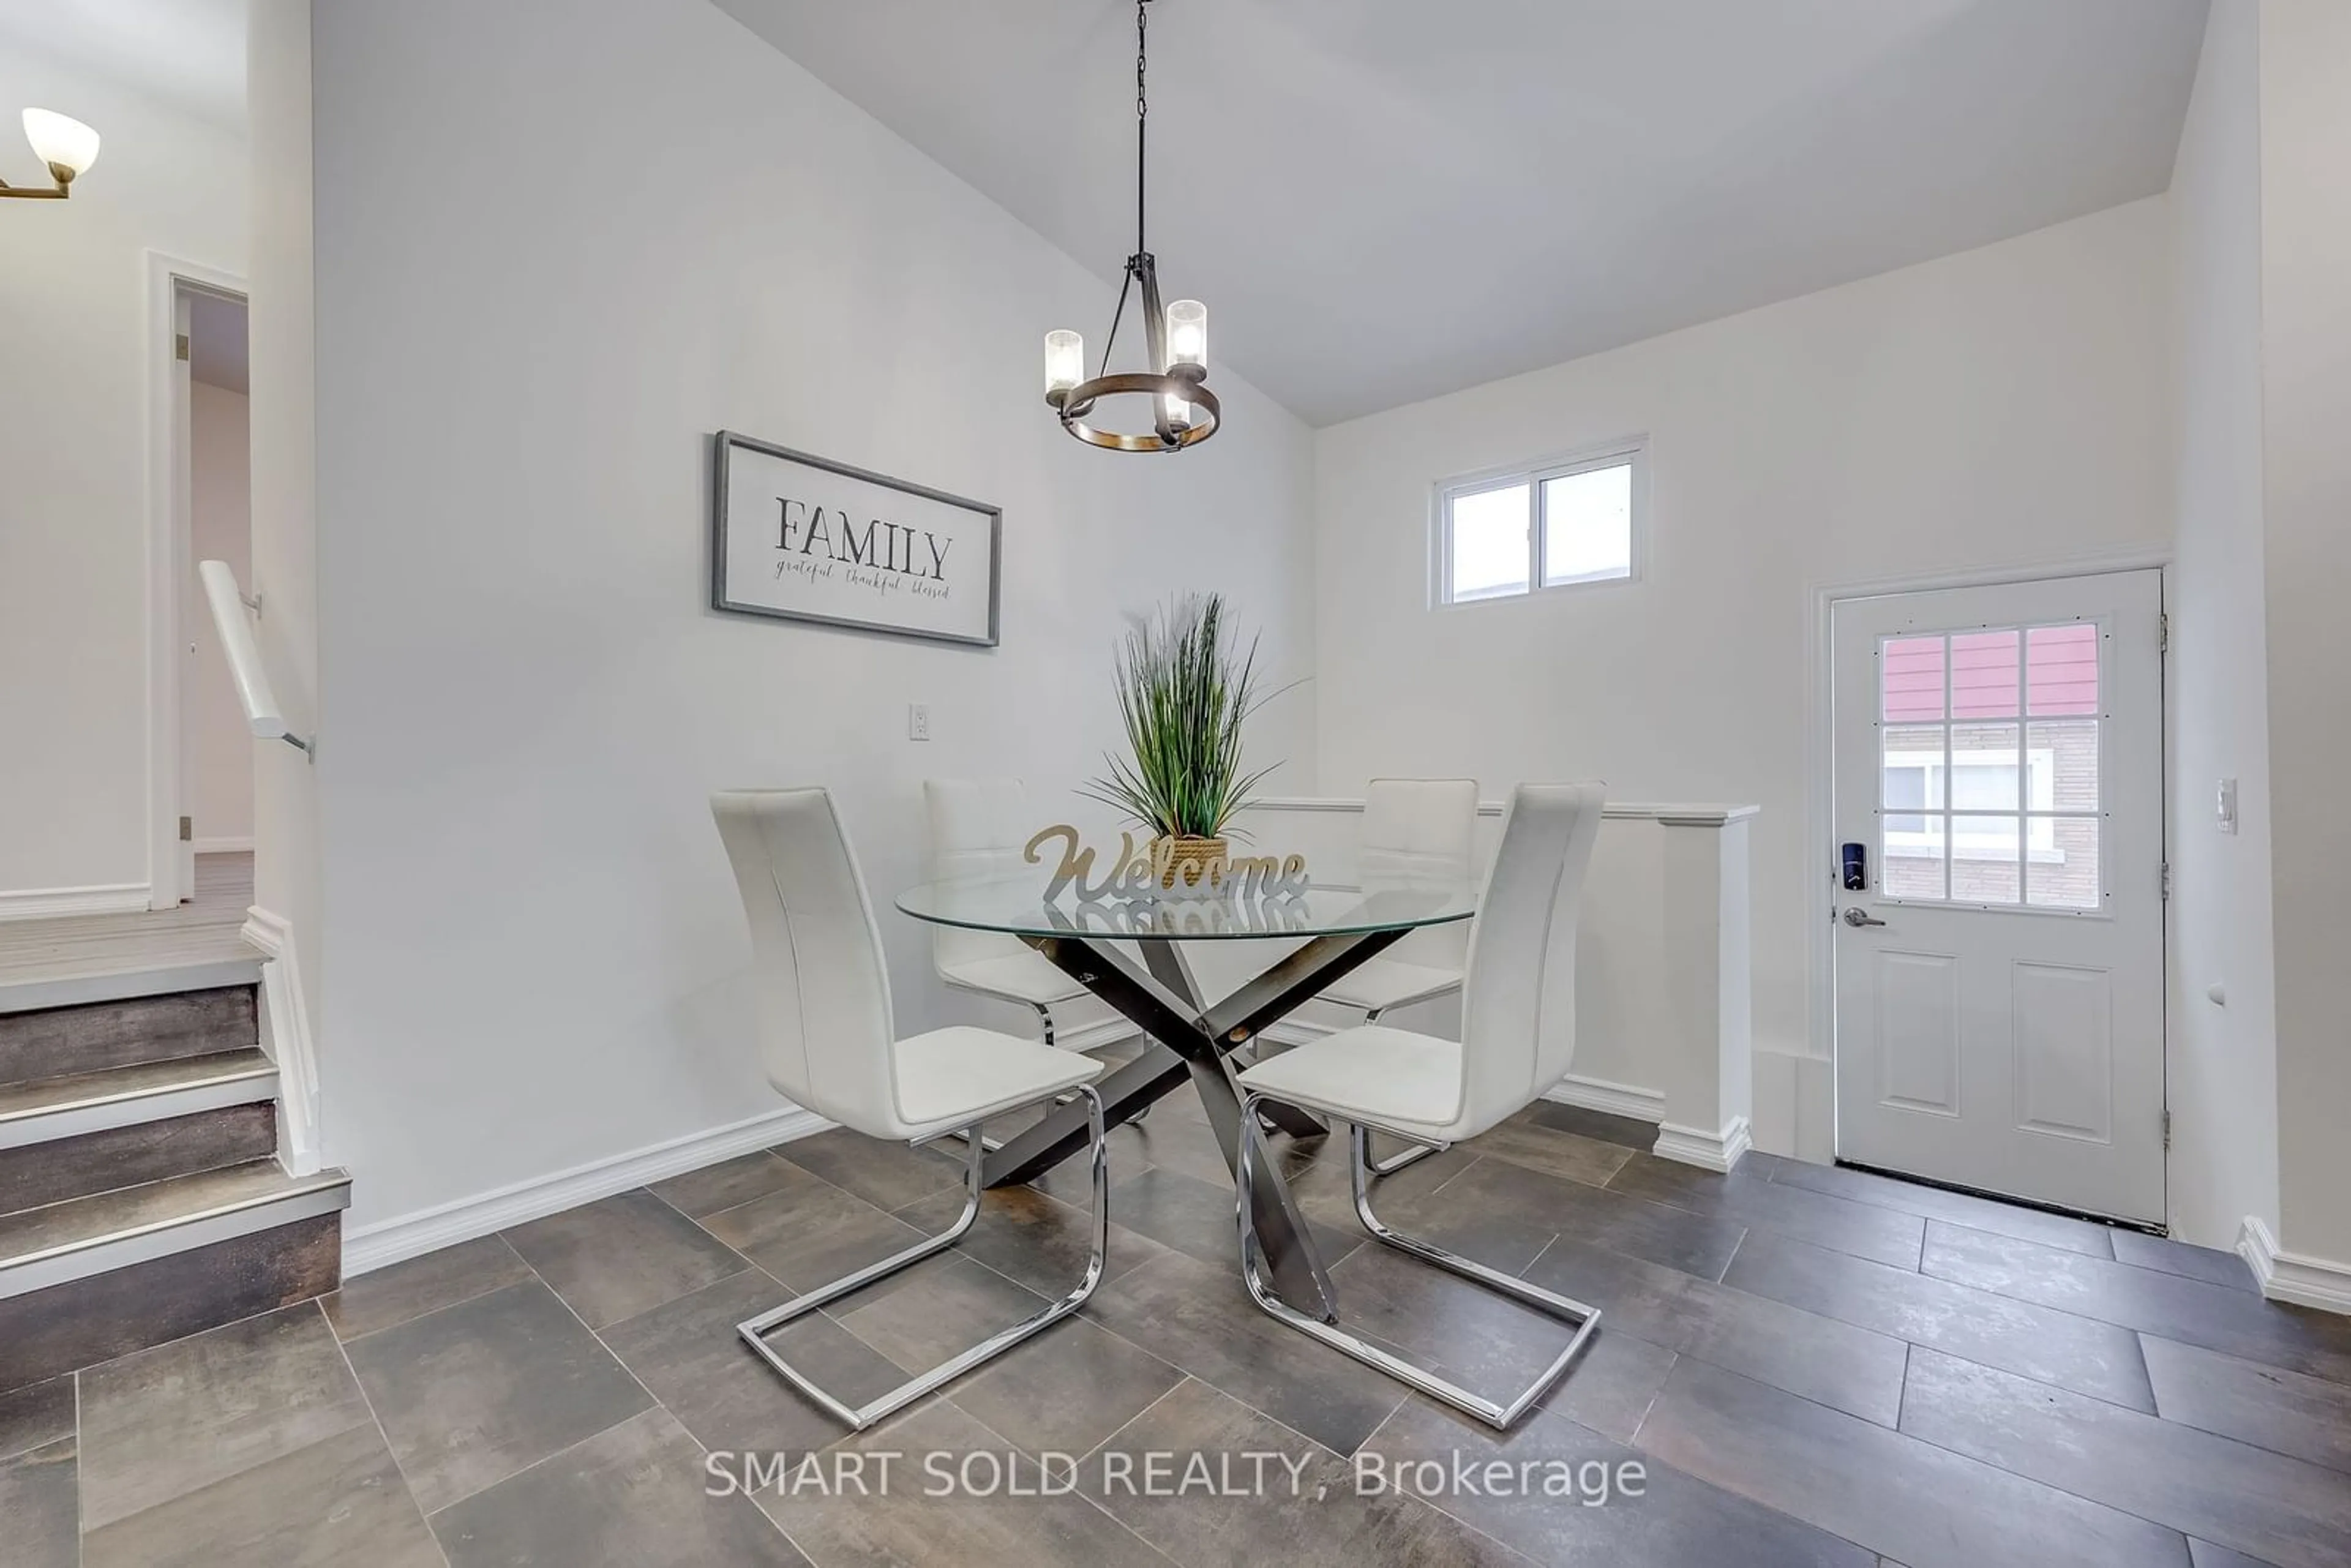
pixel 65 146
pixel 1184 412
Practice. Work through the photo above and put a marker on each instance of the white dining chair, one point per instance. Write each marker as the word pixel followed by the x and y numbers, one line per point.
pixel 979 829
pixel 822 996
pixel 1417 832
pixel 1518 1038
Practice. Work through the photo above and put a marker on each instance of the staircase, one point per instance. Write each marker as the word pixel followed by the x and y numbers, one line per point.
pixel 142 1198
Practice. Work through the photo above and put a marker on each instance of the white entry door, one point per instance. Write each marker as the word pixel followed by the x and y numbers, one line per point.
pixel 1999 758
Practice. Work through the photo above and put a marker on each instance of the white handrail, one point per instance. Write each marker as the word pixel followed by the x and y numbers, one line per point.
pixel 260 704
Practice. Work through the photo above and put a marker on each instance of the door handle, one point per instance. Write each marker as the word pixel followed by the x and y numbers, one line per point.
pixel 1856 916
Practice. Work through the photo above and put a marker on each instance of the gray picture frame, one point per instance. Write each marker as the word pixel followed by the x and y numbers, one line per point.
pixel 726 442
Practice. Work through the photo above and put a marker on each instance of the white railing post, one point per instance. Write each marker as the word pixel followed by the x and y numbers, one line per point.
pixel 1708 1063
pixel 1664 985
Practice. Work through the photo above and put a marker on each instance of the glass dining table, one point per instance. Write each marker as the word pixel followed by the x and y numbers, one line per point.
pixel 1312 939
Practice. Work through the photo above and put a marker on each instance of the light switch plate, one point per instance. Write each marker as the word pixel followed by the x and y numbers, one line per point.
pixel 918 721
pixel 2224 805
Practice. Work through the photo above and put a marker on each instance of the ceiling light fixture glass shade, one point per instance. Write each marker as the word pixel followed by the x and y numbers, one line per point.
pixel 63 143
pixel 1187 335
pixel 1184 412
pixel 1065 363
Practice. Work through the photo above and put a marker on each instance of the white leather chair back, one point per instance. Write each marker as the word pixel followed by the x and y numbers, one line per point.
pixel 1421 832
pixel 978 827
pixel 1518 1004
pixel 819 986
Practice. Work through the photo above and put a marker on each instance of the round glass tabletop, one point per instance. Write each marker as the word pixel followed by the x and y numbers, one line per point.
pixel 1019 907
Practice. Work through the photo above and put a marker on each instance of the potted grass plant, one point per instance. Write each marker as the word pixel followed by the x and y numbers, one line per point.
pixel 1184 688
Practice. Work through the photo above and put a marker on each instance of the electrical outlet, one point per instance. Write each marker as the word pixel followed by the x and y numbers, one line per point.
pixel 918 721
pixel 2224 805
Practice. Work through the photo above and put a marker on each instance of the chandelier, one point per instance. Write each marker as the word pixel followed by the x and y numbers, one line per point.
pixel 1176 339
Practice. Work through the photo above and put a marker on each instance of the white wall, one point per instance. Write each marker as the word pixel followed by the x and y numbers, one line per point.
pixel 73 474
pixel 211 726
pixel 279 333
pixel 1999 408
pixel 2223 1059
pixel 2305 259
pixel 534 951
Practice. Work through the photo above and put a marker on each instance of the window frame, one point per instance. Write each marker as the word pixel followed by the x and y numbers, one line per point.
pixel 2039 822
pixel 1631 452
pixel 2040 815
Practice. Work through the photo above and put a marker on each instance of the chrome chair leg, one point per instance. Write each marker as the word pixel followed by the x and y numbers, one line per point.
pixel 756 1329
pixel 1396 1162
pixel 1500 1416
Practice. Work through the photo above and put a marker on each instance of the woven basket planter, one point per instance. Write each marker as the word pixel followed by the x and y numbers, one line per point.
pixel 1189 867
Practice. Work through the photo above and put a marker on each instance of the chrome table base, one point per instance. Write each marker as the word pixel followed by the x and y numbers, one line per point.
pixel 1192 1043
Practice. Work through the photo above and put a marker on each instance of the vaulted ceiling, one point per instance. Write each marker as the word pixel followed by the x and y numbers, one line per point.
pixel 188 54
pixel 1384 200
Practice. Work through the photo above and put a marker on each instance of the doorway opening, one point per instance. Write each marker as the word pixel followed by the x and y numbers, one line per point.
pixel 203 747
pixel 1997 992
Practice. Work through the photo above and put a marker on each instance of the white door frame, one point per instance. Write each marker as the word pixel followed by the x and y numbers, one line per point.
pixel 1820 828
pixel 169 530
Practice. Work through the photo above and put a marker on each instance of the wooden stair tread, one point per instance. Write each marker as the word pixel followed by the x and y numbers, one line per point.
pixel 105 957
pixel 64 978
pixel 46 1096
pixel 38 1235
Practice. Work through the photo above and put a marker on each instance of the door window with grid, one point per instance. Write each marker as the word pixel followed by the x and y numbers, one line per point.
pixel 1989 744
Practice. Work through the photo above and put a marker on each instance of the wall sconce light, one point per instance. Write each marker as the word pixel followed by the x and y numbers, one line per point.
pixel 67 145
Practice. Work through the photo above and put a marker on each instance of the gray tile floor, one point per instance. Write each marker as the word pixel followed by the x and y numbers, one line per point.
pixel 1811 1366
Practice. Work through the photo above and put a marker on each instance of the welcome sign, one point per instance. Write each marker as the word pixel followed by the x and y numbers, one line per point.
pixel 805 540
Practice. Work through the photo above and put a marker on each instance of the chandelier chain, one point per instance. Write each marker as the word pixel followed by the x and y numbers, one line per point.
pixel 1141 108
pixel 1142 117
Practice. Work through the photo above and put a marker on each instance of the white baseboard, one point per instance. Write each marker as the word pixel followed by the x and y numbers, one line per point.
pixel 233 846
pixel 2294 1277
pixel 1615 1099
pixel 1709 1151
pixel 65 902
pixel 411 1235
